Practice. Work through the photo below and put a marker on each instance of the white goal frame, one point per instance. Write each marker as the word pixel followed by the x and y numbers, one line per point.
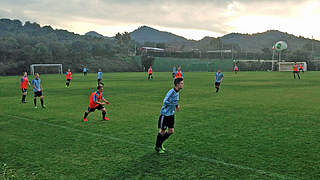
pixel 45 65
pixel 287 66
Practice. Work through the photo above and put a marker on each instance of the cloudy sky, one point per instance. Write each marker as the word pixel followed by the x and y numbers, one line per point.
pixel 192 19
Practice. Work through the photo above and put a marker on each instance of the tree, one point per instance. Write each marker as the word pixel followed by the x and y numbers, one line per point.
pixel 146 62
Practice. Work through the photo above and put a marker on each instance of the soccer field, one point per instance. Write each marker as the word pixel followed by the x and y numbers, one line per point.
pixel 261 125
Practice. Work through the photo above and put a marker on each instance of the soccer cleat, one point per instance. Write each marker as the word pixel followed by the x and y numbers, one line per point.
pixel 35 107
pixel 43 106
pixel 162 147
pixel 159 150
pixel 85 119
pixel 105 118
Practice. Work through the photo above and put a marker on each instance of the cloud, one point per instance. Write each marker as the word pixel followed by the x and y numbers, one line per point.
pixel 217 16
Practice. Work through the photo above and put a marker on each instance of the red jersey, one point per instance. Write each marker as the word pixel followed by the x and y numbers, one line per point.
pixel 178 75
pixel 150 70
pixel 295 67
pixel 300 66
pixel 236 68
pixel 68 75
pixel 94 98
pixel 24 82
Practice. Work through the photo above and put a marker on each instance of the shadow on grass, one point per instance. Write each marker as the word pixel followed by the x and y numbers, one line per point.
pixel 151 165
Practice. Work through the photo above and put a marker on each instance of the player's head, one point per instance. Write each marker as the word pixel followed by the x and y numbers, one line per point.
pixel 178 83
pixel 99 69
pixel 100 88
pixel 25 73
pixel 219 70
pixel 36 75
pixel 69 70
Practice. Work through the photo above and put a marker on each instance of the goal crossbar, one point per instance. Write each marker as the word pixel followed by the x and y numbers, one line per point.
pixel 45 65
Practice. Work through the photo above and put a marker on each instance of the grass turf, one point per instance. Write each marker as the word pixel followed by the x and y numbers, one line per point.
pixel 261 125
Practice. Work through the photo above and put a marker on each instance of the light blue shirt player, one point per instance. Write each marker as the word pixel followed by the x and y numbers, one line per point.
pixel 37 84
pixel 84 69
pixel 170 103
pixel 219 77
pixel 99 75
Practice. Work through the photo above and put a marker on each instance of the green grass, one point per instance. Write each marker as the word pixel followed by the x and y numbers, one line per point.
pixel 261 125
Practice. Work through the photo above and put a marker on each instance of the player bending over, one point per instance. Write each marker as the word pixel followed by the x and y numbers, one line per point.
pixel 150 73
pixel 95 103
pixel 68 78
pixel 37 89
pixel 24 82
pixel 166 119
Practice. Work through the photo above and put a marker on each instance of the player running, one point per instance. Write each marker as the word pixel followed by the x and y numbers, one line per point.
pixel 99 76
pixel 166 119
pixel 37 89
pixel 219 78
pixel 150 73
pixel 68 78
pixel 236 69
pixel 24 82
pixel 95 103
pixel 179 73
pixel 295 71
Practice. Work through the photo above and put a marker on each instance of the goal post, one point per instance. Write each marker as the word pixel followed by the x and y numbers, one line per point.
pixel 287 66
pixel 46 65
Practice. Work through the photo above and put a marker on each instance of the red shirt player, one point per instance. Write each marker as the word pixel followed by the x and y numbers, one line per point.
pixel 236 69
pixel 95 103
pixel 68 78
pixel 295 71
pixel 150 73
pixel 24 82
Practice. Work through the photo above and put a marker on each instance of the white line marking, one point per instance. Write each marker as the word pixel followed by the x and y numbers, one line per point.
pixel 186 154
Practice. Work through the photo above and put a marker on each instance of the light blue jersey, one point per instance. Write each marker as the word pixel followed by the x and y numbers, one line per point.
pixel 170 102
pixel 36 83
pixel 99 75
pixel 84 69
pixel 219 77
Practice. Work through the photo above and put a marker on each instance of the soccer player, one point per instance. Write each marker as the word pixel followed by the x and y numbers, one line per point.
pixel 166 119
pixel 24 86
pixel 95 103
pixel 99 76
pixel 174 70
pixel 236 69
pixel 301 68
pixel 68 78
pixel 219 78
pixel 295 71
pixel 150 73
pixel 37 89
pixel 179 73
pixel 84 71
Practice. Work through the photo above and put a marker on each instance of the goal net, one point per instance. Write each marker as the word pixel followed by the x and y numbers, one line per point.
pixel 287 66
pixel 45 68
pixel 255 65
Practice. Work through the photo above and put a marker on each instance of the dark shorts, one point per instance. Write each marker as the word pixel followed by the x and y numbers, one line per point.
pixel 23 90
pixel 38 94
pixel 68 80
pixel 166 122
pixel 217 83
pixel 93 109
pixel 150 74
pixel 99 80
pixel 295 72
